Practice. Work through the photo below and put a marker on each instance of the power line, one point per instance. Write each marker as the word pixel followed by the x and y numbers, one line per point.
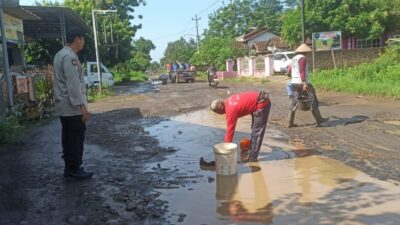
pixel 173 34
pixel 202 11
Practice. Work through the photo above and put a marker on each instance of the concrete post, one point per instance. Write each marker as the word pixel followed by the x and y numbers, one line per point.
pixel 6 65
pixel 239 66
pixel 229 65
pixel 251 65
pixel 269 65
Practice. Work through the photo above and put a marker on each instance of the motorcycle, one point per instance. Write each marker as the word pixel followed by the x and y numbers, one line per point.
pixel 213 79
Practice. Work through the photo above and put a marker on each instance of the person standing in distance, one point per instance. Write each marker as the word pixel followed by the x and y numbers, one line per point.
pixel 300 84
pixel 71 104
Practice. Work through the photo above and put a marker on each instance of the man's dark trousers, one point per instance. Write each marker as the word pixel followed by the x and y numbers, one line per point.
pixel 258 126
pixel 73 135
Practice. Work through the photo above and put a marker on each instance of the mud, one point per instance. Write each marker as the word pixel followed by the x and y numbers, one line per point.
pixel 291 184
pixel 135 168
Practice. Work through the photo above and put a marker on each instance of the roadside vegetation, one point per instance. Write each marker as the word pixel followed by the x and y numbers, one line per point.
pixel 126 76
pixel 93 93
pixel 10 129
pixel 380 78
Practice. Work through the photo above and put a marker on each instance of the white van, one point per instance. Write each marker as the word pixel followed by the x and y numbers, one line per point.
pixel 92 78
pixel 282 61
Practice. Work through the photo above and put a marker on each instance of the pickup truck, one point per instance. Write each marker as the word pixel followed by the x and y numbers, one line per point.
pixel 92 78
pixel 182 76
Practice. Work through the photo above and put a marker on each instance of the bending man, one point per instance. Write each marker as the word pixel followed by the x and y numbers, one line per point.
pixel 257 104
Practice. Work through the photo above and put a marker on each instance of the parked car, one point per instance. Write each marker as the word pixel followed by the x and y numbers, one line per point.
pixel 282 61
pixel 92 78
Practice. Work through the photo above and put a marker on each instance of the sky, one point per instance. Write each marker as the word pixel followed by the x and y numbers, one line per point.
pixel 166 21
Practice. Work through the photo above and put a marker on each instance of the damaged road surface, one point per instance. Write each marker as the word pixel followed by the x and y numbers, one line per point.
pixel 145 143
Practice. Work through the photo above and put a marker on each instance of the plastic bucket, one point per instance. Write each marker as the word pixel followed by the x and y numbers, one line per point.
pixel 225 158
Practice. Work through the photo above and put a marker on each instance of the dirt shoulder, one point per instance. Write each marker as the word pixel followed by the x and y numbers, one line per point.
pixel 363 132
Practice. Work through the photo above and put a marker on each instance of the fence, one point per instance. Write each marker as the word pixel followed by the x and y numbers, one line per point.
pixel 342 58
pixel 31 87
pixel 261 66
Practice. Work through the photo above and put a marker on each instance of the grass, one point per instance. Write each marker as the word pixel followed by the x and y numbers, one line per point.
pixel 135 76
pixel 94 93
pixel 380 78
pixel 10 129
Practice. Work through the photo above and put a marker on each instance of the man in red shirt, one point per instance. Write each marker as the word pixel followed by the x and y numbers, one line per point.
pixel 255 103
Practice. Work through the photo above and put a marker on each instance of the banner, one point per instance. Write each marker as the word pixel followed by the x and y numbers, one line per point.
pixel 325 41
pixel 12 26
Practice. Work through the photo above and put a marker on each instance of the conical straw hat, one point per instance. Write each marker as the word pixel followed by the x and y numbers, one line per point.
pixel 303 48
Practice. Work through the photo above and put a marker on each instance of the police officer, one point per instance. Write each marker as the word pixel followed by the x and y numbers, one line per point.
pixel 71 103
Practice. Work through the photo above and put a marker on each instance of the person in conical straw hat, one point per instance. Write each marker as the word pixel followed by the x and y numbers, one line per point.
pixel 301 86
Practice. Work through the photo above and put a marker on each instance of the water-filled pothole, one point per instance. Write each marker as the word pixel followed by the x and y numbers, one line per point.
pixel 291 184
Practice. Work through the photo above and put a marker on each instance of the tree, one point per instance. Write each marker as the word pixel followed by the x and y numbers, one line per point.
pixel 140 61
pixel 41 52
pixel 267 14
pixel 180 50
pixel 233 20
pixel 143 45
pixel 216 50
pixel 120 23
pixel 360 18
pixel 123 30
pixel 141 54
pixel 230 20
pixel 239 16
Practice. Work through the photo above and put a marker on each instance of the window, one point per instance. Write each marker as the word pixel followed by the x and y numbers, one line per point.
pixel 279 57
pixel 93 68
pixel 365 43
pixel 291 55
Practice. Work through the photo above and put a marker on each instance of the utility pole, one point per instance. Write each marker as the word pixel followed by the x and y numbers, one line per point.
pixel 94 11
pixel 197 31
pixel 302 22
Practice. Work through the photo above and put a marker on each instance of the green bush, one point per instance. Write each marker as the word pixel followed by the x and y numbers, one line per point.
pixel 93 93
pixel 9 129
pixel 380 78
pixel 136 76
pixel 41 88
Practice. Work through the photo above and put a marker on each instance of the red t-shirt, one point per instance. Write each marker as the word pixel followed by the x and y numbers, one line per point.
pixel 239 105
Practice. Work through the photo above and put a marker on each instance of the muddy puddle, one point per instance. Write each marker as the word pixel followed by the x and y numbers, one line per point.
pixel 291 184
pixel 140 88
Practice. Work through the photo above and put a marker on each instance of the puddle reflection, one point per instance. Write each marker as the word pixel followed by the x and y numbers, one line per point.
pixel 291 184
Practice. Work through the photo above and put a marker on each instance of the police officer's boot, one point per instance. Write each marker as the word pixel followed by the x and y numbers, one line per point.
pixel 291 119
pixel 318 118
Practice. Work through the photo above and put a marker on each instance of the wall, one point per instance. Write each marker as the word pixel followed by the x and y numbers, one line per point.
pixel 345 57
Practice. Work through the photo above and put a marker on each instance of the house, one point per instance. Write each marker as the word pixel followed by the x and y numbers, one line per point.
pixel 14 16
pixel 24 23
pixel 261 41
pixel 354 42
